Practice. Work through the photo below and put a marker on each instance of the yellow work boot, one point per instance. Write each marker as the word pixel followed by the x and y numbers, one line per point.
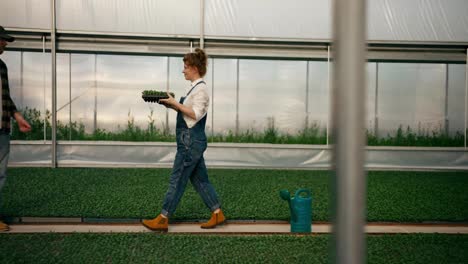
pixel 159 223
pixel 3 227
pixel 216 219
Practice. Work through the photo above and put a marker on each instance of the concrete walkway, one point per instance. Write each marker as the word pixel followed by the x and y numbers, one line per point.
pixel 231 228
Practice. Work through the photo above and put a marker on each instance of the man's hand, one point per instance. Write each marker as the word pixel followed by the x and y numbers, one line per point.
pixel 23 125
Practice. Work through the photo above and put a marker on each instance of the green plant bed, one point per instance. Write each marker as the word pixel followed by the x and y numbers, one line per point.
pixel 154 96
pixel 245 194
pixel 312 134
pixel 154 248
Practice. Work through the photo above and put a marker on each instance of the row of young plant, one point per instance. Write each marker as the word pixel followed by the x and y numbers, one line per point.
pixel 156 93
pixel 310 135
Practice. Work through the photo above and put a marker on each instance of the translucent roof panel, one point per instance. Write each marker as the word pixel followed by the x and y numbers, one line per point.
pixel 165 17
pixel 428 20
pixel 268 18
pixel 33 14
pixel 387 20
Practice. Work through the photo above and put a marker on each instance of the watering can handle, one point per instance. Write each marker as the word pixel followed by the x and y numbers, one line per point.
pixel 302 191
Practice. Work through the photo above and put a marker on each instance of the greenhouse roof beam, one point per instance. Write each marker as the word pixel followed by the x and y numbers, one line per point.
pixel 429 52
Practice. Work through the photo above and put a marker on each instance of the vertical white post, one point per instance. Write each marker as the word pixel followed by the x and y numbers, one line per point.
pixel 306 121
pixel 466 94
pixel 166 128
pixel 202 24
pixel 212 97
pixel 376 101
pixel 329 93
pixel 21 79
pixel 54 84
pixel 95 94
pixel 446 115
pixel 69 94
pixel 348 130
pixel 237 97
pixel 44 89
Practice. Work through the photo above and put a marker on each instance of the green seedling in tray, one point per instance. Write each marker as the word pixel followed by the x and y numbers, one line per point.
pixel 154 96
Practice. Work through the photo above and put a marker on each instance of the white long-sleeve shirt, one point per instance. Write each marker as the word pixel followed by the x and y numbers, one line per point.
pixel 198 100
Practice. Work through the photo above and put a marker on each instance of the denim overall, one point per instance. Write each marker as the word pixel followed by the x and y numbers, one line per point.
pixel 189 164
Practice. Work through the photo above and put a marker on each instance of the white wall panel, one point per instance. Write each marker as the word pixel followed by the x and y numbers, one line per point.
pixel 180 17
pixel 33 14
pixel 160 154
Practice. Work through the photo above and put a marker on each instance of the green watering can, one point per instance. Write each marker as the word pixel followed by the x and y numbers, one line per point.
pixel 300 206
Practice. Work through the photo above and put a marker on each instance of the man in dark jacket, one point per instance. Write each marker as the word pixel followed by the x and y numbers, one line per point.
pixel 7 111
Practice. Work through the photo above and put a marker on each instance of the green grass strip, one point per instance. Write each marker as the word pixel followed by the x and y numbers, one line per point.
pixel 313 134
pixel 156 248
pixel 245 194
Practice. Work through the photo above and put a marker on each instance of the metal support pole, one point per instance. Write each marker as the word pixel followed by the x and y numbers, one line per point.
pixel 466 94
pixel 446 119
pixel 21 79
pixel 306 126
pixel 212 97
pixel 166 127
pixel 376 101
pixel 202 24
pixel 69 94
pixel 348 131
pixel 95 95
pixel 44 109
pixel 237 98
pixel 329 92
pixel 54 85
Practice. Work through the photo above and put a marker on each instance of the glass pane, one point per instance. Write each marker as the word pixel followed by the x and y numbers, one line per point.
pixel 371 91
pixel 411 95
pixel 83 85
pixel 319 96
pixel 272 95
pixel 224 99
pixel 106 95
pixel 63 97
pixel 456 99
pixel 178 85
pixel 13 61
pixel 120 82
pixel 209 85
pixel 37 92
pixel 29 75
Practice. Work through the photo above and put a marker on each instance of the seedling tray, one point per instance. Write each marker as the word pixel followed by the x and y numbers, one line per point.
pixel 154 96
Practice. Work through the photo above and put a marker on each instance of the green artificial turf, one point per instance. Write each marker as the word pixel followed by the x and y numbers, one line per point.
pixel 168 248
pixel 245 194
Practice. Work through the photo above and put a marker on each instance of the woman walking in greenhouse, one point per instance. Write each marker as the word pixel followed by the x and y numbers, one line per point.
pixel 191 144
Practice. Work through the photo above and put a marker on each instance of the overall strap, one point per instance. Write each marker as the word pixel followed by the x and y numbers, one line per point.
pixel 194 87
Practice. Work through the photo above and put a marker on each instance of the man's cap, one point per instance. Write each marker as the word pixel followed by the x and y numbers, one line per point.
pixel 5 36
